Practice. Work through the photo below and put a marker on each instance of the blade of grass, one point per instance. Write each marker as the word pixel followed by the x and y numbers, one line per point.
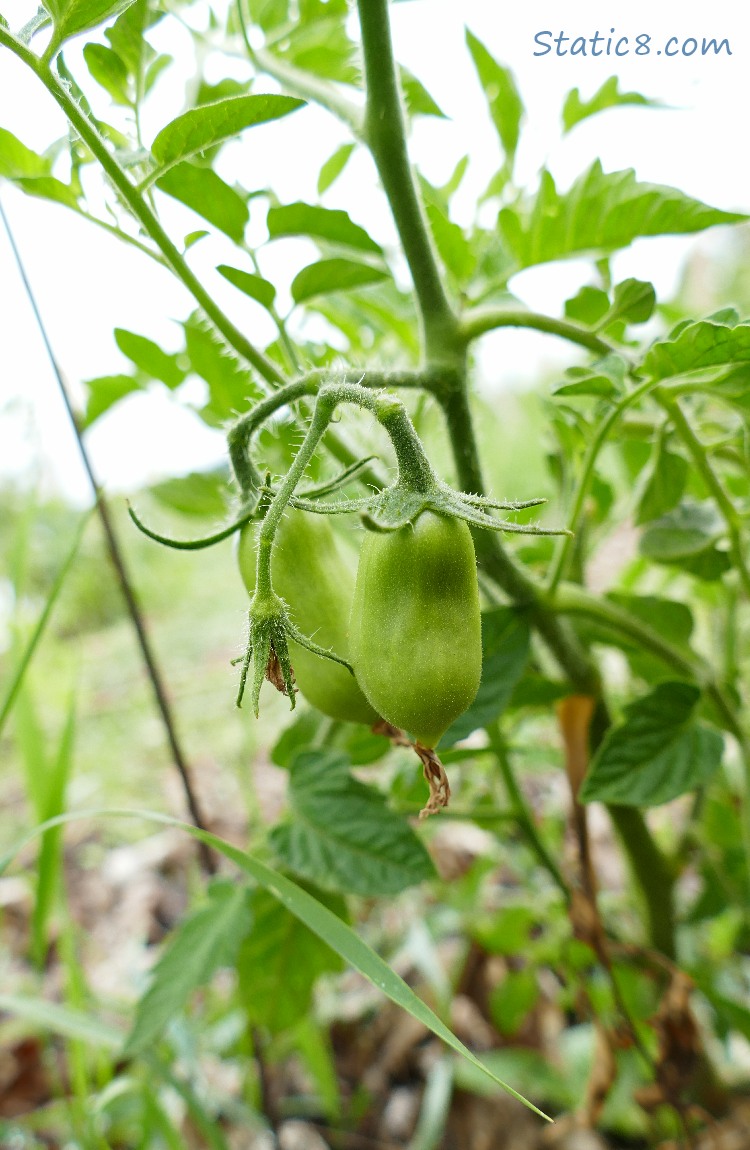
pixel 318 918
pixel 50 849
pixel 17 677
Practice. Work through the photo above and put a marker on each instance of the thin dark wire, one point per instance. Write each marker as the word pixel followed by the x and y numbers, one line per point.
pixel 118 562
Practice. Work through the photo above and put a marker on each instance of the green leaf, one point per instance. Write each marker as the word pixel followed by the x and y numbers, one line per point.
pixel 453 247
pixel 104 392
pixel 208 195
pixel 201 493
pixel 668 617
pixel 320 223
pixel 280 961
pixel 335 275
pixel 231 387
pixel 127 36
pixel 686 531
pixel 608 96
pixel 605 378
pixel 300 735
pixel 73 16
pixel 210 124
pixel 108 70
pixel 268 14
pixel 603 212
pixel 254 286
pixel 665 486
pixel 342 835
pixel 31 172
pixel 588 306
pixel 204 942
pixel 336 934
pixel 505 652
pixel 513 999
pixel 707 344
pixel 657 754
pixel 418 100
pixel 333 167
pixel 634 302
pixel 149 357
pixel 505 104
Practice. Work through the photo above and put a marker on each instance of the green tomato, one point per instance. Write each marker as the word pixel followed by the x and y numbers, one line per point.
pixel 416 631
pixel 311 573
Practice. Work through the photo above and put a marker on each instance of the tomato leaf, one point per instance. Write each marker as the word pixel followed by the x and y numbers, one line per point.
pixel 208 195
pixel 333 167
pixel 602 212
pixel 104 392
pixel 687 530
pixel 342 835
pixel 204 942
pixel 280 961
pixel 505 103
pixel 665 485
pixel 418 100
pixel 505 652
pixel 252 285
pixel 319 223
pixel 210 124
pixel 201 493
pixel 149 357
pixel 607 96
pixel 719 342
pixel 334 275
pixel 658 753
pixel 73 16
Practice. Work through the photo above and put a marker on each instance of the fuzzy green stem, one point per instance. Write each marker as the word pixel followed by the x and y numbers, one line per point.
pixel 478 321
pixel 241 433
pixel 385 133
pixel 141 210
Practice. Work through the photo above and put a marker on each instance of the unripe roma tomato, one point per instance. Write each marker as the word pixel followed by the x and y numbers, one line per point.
pixel 310 572
pixel 415 635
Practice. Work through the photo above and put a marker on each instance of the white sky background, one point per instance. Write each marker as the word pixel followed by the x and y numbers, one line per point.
pixel 87 283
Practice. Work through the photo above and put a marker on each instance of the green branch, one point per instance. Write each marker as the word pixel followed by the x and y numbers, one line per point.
pixel 478 321
pixel 385 134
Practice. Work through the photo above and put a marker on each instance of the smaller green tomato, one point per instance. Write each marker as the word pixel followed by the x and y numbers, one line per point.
pixel 311 573
pixel 416 630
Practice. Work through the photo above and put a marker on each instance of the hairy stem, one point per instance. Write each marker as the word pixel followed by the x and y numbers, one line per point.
pixel 385 134
pixel 478 321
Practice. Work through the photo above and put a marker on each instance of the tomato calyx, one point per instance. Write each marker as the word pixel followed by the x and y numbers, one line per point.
pixel 267 649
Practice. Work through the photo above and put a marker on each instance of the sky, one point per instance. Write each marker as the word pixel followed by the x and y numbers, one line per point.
pixel 87 284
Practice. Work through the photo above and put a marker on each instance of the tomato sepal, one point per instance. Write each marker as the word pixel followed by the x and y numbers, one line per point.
pixel 269 630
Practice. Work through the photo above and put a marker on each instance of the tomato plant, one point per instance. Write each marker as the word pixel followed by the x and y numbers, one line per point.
pixel 638 691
